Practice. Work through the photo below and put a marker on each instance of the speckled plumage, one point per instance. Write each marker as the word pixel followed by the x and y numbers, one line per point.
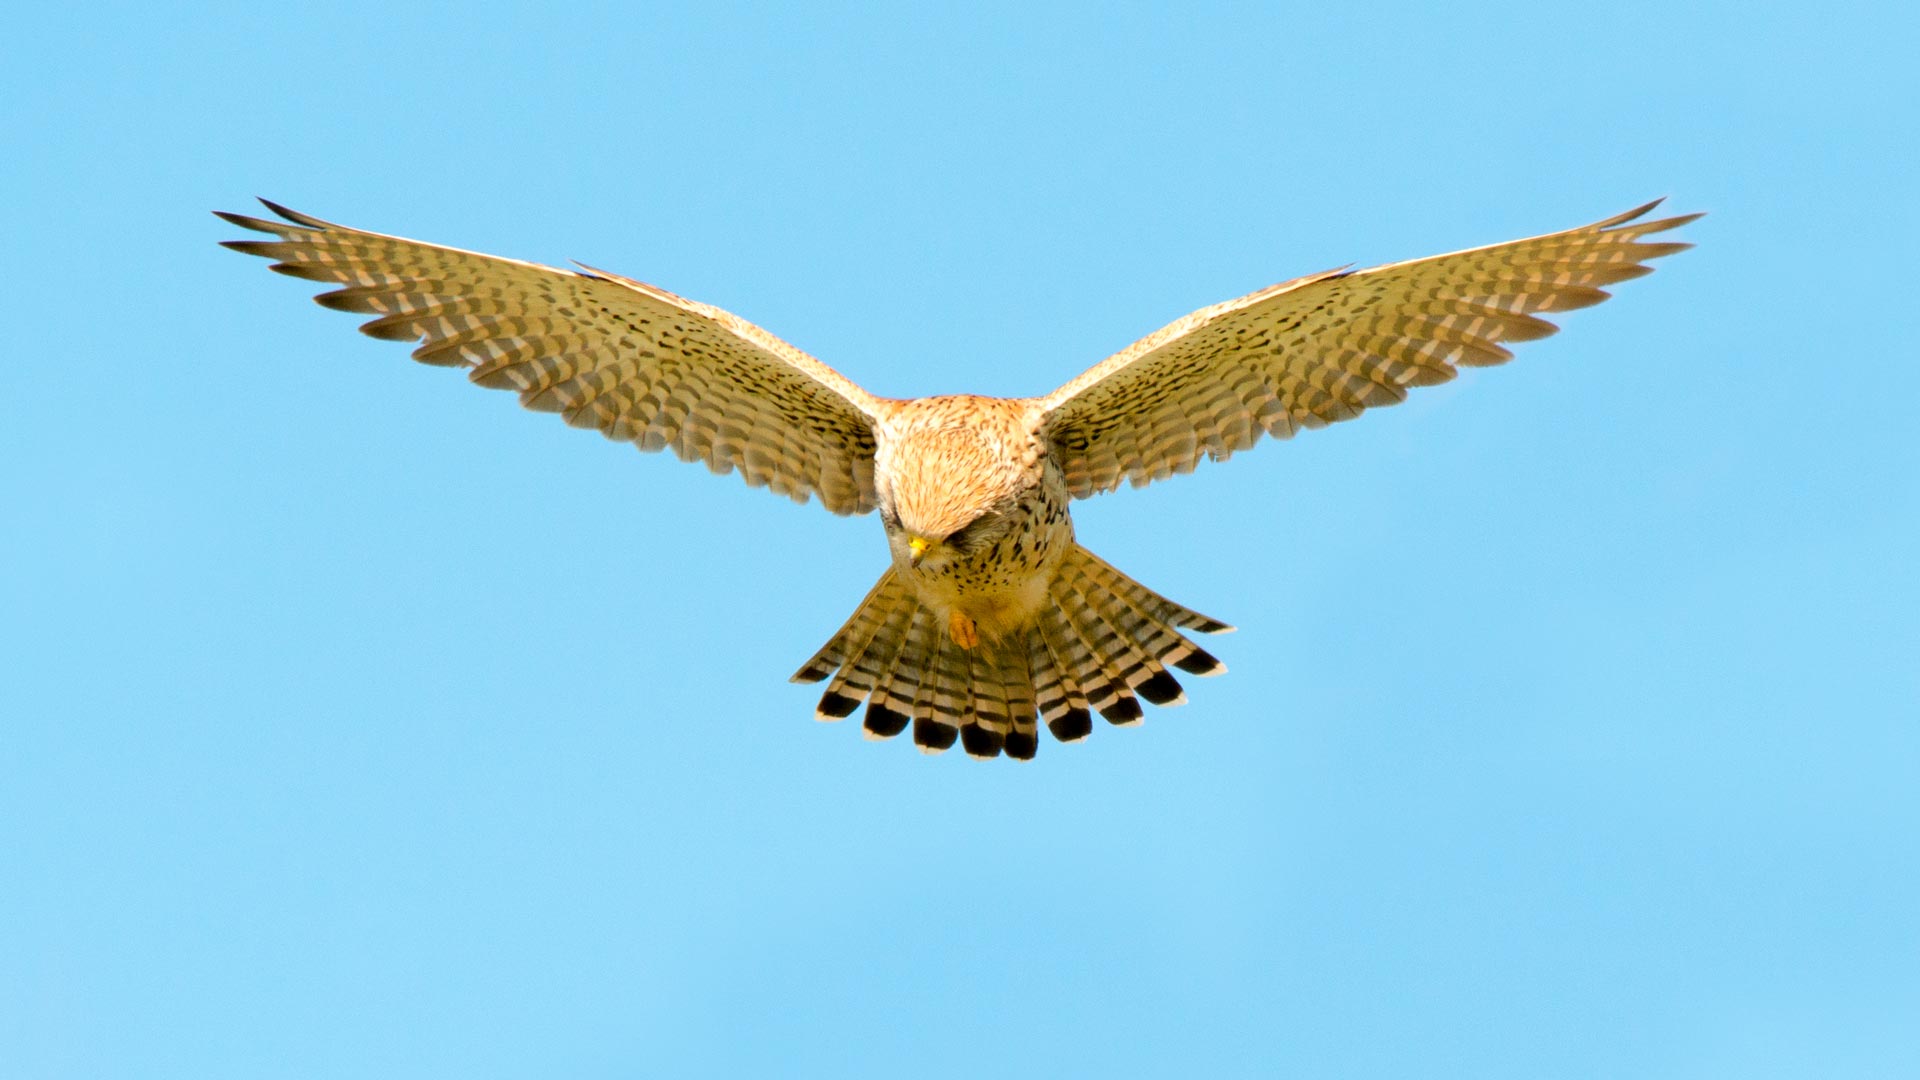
pixel 991 619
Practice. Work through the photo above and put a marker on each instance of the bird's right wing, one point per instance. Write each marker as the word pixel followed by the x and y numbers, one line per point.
pixel 633 361
pixel 1326 347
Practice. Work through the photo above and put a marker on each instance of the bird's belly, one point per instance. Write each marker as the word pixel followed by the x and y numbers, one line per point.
pixel 1003 610
pixel 1000 591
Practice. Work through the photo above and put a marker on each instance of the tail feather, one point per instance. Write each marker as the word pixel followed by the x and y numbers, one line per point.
pixel 1103 642
pixel 925 645
pixel 892 705
pixel 984 732
pixel 1126 640
pixel 1062 702
pixel 876 644
pixel 1103 664
pixel 1023 710
pixel 869 614
pixel 1164 609
pixel 948 705
pixel 1079 661
pixel 1136 618
pixel 1143 669
pixel 1077 665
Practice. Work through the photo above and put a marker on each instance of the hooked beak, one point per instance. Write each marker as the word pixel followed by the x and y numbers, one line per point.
pixel 916 550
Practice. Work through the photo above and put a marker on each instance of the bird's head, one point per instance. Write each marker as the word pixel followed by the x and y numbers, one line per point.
pixel 950 477
pixel 933 546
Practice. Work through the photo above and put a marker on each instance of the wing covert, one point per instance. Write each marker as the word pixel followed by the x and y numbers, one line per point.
pixel 630 360
pixel 1326 347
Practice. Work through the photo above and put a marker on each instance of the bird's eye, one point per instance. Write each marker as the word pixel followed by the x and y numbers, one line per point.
pixel 967 536
pixel 888 518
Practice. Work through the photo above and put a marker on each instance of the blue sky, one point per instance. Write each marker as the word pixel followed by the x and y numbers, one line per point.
pixel 357 723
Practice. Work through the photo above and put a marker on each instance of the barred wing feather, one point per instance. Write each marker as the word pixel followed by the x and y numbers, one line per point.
pixel 1326 347
pixel 633 361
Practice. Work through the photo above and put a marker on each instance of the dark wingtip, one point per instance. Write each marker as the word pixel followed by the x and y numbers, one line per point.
pixel 266 249
pixel 351 299
pixel 882 722
pixel 294 216
pixel 835 705
pixel 303 271
pixel 1621 219
pixel 244 221
pixel 1639 212
pixel 400 329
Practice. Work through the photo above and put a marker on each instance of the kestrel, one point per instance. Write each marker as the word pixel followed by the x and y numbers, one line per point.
pixel 991 617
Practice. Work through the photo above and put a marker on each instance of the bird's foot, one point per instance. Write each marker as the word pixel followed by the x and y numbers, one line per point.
pixel 962 629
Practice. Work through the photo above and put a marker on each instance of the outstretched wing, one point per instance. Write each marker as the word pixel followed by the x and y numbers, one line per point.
pixel 1325 347
pixel 635 362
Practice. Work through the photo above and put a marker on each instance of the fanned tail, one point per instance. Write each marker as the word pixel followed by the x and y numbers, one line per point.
pixel 1103 642
pixel 898 698
pixel 1062 700
pixel 852 657
pixel 1023 709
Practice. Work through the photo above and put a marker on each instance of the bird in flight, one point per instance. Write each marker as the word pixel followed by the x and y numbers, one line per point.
pixel 991 618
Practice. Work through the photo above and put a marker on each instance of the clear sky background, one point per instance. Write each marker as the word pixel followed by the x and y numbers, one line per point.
pixel 357 723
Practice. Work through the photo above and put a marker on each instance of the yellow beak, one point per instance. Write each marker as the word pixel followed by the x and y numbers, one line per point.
pixel 917 548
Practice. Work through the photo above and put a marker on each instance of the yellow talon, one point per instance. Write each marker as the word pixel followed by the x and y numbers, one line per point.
pixel 964 633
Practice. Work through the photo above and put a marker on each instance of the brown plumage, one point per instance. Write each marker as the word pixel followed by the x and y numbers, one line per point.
pixel 991 619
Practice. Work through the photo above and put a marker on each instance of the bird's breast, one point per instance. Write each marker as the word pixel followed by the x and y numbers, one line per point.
pixel 1001 588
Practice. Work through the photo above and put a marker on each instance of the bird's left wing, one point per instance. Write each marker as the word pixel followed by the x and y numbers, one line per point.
pixel 1326 347
pixel 633 361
